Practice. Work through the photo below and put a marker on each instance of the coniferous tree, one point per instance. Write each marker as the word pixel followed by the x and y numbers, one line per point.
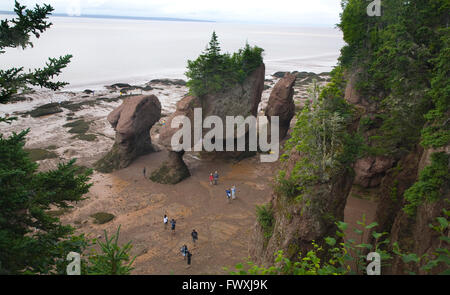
pixel 31 239
pixel 214 71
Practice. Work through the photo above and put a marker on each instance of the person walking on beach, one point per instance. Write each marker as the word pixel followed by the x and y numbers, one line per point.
pixel 173 222
pixel 211 179
pixel 194 235
pixel 166 221
pixel 233 192
pixel 228 195
pixel 144 172
pixel 184 250
pixel 189 257
pixel 216 177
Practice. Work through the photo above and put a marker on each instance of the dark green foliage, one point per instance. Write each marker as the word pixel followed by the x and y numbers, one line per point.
pixel 286 186
pixel 350 257
pixel 16 33
pixel 213 71
pixel 321 139
pixel 112 260
pixel 33 240
pixel 433 183
pixel 403 58
pixel 265 217
pixel 26 197
pixel 437 131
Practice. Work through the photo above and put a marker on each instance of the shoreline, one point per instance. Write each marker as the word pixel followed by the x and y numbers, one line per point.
pixel 50 114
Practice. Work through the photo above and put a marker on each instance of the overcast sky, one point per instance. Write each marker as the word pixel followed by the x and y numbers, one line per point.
pixel 301 12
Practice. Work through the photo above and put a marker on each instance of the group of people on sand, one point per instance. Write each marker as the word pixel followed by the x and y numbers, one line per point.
pixel 214 180
pixel 172 223
pixel 231 193
pixel 184 249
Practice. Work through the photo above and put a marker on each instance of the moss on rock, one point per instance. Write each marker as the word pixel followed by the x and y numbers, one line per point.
pixel 41 154
pixel 102 217
pixel 172 171
pixel 78 127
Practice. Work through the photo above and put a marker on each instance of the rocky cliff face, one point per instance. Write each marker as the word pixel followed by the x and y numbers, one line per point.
pixel 241 100
pixel 132 122
pixel 174 170
pixel 281 102
pixel 298 224
pixel 412 233
pixel 391 176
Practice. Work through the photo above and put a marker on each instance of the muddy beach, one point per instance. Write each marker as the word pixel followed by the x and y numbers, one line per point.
pixel 138 204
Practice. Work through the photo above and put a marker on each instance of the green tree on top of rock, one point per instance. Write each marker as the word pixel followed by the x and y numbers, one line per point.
pixel 214 72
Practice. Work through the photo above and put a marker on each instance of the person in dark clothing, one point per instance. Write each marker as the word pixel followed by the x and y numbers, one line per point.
pixel 228 195
pixel 194 235
pixel 173 222
pixel 216 177
pixel 144 172
pixel 189 257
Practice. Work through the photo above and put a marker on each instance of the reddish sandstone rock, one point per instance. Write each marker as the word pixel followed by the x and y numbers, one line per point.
pixel 371 170
pixel 132 121
pixel 185 107
pixel 281 102
pixel 241 99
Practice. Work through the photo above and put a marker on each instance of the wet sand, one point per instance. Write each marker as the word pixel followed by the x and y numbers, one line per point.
pixel 139 206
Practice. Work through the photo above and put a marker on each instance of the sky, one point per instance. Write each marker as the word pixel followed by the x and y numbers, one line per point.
pixel 295 12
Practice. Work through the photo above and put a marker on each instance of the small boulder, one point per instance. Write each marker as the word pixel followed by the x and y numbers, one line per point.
pixel 172 171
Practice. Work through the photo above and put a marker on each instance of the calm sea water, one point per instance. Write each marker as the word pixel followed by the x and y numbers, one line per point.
pixel 134 51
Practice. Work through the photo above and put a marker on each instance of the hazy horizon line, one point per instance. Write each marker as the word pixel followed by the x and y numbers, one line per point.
pixel 107 16
pixel 179 19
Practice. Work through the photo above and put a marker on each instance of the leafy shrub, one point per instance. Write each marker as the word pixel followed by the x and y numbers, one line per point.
pixel 335 258
pixel 112 260
pixel 429 186
pixel 265 219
